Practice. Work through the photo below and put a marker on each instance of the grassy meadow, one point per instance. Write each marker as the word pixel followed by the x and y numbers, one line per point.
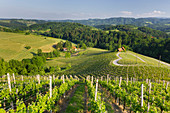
pixel 12 45
pixel 129 57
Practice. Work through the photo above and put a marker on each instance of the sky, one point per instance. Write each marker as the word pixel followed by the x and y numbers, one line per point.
pixel 83 9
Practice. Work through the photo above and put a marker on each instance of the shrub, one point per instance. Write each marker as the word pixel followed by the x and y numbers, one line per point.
pixel 28 47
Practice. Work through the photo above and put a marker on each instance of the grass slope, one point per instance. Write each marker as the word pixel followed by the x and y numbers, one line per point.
pixel 12 45
pixel 129 58
pixel 76 104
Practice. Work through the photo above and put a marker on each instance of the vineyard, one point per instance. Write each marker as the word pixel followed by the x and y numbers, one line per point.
pixel 96 62
pixel 93 84
pixel 44 94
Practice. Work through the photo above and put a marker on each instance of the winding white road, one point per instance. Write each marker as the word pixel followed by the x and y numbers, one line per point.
pixel 115 62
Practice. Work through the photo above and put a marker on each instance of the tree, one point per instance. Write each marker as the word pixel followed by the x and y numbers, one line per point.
pixel 28 47
pixel 37 60
pixel 39 52
pixel 83 46
pixel 24 71
pixel 52 69
pixel 56 53
pixel 67 55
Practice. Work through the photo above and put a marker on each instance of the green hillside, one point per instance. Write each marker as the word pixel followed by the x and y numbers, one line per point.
pixel 142 40
pixel 12 45
pixel 99 62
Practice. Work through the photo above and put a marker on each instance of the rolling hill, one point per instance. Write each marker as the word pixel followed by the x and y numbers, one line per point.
pixel 12 45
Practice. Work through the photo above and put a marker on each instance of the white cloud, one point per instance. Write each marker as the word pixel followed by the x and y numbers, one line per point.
pixel 126 13
pixel 154 13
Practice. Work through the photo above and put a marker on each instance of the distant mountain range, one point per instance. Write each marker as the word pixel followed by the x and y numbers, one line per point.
pixel 162 24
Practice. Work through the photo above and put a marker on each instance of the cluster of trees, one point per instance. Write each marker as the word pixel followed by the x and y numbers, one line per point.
pixel 55 53
pixel 27 66
pixel 24 67
pixel 142 40
pixel 10 30
pixel 61 45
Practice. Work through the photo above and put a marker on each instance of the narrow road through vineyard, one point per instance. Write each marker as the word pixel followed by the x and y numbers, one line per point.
pixel 115 62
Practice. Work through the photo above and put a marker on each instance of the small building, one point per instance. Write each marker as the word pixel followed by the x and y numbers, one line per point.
pixel 64 49
pixel 74 48
pixel 121 49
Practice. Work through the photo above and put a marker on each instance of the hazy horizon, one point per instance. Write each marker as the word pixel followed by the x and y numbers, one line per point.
pixel 83 10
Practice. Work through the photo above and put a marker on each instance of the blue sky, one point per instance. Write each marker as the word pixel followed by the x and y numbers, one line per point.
pixel 83 9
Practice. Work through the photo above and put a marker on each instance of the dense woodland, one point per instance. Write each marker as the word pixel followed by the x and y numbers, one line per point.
pixel 143 40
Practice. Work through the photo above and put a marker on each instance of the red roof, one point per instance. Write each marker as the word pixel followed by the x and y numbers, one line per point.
pixel 73 47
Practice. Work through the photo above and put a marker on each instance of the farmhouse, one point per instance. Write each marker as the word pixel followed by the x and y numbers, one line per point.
pixel 64 49
pixel 74 48
pixel 121 49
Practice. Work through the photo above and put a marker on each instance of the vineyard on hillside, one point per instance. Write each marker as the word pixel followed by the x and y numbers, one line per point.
pixel 95 62
pixel 92 84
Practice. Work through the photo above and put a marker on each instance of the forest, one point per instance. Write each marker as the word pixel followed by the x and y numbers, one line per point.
pixel 142 40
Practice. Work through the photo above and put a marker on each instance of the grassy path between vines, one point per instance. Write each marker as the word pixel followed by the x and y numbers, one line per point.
pixel 111 107
pixel 64 102
pixel 77 103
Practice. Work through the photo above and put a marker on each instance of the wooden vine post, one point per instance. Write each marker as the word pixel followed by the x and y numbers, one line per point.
pixel 148 97
pixel 118 99
pixel 63 79
pixel 22 78
pixel 142 95
pixel 120 81
pixel 50 78
pixel 96 90
pixel 63 83
pixel 9 84
pixel 167 85
pixel 163 83
pixel 127 80
pixel 50 86
pixel 107 78
pixel 101 78
pixel 14 78
pixel 38 78
pixel 91 81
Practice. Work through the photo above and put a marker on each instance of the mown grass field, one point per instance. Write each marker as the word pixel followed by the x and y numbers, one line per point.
pixel 129 57
pixel 12 45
